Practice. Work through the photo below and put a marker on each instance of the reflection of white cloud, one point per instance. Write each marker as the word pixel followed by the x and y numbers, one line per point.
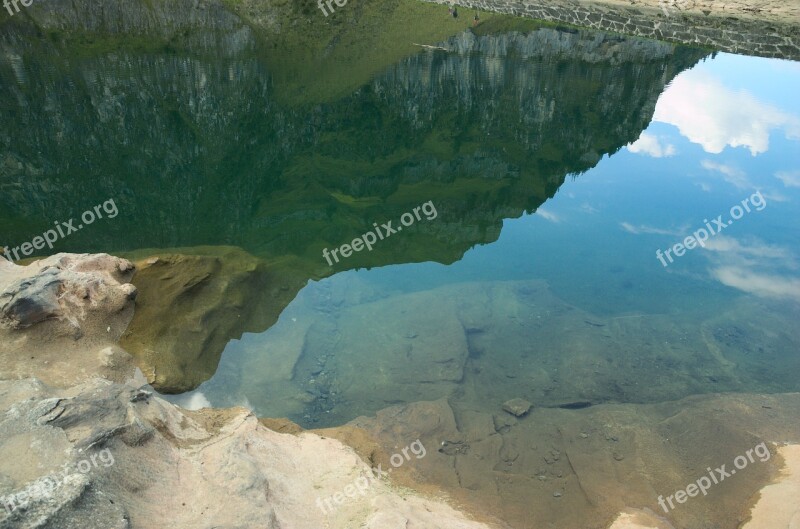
pixel 754 267
pixel 705 187
pixel 723 243
pixel 244 402
pixel 774 196
pixel 789 179
pixel 195 401
pixel 762 285
pixel 713 116
pixel 546 215
pixel 651 146
pixel 732 175
pixel 588 208
pixel 649 230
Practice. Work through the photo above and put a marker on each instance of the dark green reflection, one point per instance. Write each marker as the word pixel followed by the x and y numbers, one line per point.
pixel 199 145
pixel 196 150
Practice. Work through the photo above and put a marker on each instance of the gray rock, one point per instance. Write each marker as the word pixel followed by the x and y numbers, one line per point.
pixel 66 288
pixel 517 407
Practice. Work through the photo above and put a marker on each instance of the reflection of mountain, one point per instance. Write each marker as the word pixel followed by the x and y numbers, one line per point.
pixel 197 150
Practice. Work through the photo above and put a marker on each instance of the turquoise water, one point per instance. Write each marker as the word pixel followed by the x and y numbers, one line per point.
pixel 571 302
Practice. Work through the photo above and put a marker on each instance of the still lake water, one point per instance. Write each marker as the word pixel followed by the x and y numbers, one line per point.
pixel 571 303
pixel 559 162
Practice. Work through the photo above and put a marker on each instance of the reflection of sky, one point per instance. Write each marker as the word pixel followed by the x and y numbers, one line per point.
pixel 727 106
pixel 721 131
pixel 595 242
pixel 715 116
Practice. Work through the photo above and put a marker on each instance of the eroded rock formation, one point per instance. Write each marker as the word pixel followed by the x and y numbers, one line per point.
pixel 89 451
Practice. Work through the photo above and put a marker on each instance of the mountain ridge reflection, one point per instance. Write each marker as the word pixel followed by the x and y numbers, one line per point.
pixel 198 152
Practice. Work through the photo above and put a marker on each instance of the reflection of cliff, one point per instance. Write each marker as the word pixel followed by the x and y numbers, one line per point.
pixel 197 150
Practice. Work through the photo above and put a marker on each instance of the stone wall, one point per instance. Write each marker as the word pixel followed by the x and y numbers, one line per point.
pixel 749 36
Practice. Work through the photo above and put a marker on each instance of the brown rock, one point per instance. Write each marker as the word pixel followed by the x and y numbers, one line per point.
pixel 282 425
pixel 192 304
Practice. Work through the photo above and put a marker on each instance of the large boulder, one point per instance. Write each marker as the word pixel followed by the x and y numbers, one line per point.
pixel 60 318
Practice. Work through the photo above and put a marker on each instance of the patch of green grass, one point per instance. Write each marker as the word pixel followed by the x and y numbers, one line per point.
pixel 356 202
pixel 83 44
pixel 361 38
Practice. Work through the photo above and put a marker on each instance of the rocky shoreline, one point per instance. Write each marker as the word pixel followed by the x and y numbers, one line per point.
pixel 73 399
pixel 756 27
pixel 70 395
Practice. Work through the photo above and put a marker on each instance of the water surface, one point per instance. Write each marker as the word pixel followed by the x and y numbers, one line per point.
pixel 571 303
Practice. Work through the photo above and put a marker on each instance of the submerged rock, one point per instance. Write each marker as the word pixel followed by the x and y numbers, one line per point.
pixel 517 407
pixel 513 475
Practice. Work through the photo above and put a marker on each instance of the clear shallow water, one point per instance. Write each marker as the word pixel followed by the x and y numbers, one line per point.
pixel 571 303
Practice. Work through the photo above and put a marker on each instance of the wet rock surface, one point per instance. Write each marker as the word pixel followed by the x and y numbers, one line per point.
pixel 581 468
pixel 94 448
